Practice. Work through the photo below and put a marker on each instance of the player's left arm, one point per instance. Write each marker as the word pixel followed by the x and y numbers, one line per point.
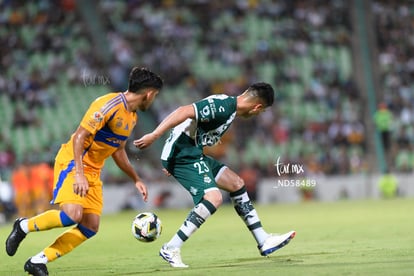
pixel 122 161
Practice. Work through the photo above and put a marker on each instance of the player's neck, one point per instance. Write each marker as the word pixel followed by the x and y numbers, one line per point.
pixel 133 101
pixel 243 106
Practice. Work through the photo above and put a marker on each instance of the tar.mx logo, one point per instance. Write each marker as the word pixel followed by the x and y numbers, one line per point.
pixel 90 78
pixel 285 169
pixel 294 170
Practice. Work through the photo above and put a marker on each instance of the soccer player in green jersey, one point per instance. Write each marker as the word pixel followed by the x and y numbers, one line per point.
pixel 193 127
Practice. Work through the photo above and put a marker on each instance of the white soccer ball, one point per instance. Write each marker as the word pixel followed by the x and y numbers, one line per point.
pixel 146 227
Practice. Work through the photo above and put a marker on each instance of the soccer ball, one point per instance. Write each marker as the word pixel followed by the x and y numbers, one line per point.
pixel 146 227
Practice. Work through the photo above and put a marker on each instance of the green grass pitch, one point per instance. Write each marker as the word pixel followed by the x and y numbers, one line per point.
pixel 369 237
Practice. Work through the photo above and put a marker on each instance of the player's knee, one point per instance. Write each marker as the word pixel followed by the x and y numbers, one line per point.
pixel 214 197
pixel 237 185
pixel 216 201
pixel 73 211
pixel 75 216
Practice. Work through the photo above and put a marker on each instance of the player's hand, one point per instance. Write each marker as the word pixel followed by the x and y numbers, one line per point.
pixel 81 185
pixel 167 173
pixel 142 189
pixel 145 141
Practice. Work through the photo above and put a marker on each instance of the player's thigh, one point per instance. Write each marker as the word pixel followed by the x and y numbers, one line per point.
pixel 195 176
pixel 229 181
pixel 216 167
pixel 63 189
pixel 225 178
pixel 64 178
pixel 93 201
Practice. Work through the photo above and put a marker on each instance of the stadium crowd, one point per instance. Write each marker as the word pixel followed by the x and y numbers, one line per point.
pixel 395 40
pixel 302 47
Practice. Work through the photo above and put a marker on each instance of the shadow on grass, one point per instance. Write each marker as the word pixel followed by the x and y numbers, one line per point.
pixel 238 264
pixel 258 265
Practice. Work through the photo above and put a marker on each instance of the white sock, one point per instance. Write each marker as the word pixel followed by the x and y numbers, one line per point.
pixel 24 225
pixel 39 258
pixel 246 211
pixel 195 219
pixel 175 242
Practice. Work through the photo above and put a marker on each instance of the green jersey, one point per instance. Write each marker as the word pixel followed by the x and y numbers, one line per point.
pixel 213 116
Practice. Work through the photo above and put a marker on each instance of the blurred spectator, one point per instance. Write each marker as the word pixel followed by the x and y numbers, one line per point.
pixel 25 117
pixel 355 133
pixel 394 32
pixel 404 160
pixel 250 176
pixel 388 185
pixel 32 185
pixel 41 185
pixel 7 206
pixel 383 121
pixel 20 180
pixel 7 158
pixel 203 47
pixel 161 199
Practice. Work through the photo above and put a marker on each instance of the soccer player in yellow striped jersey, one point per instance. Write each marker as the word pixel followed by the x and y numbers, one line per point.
pixel 102 133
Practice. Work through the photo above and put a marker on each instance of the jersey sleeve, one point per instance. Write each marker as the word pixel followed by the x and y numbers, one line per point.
pixel 213 108
pixel 95 118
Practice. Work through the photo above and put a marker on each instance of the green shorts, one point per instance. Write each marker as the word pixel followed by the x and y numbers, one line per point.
pixel 197 176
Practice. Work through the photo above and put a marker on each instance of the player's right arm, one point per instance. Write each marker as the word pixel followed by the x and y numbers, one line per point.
pixel 81 185
pixel 121 160
pixel 173 119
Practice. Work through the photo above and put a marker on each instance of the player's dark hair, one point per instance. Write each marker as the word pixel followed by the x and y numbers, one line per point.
pixel 140 78
pixel 263 91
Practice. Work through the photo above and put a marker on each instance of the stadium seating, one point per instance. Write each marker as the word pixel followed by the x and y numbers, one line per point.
pixel 229 46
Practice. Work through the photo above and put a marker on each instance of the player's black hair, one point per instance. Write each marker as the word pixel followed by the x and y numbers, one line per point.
pixel 140 78
pixel 263 91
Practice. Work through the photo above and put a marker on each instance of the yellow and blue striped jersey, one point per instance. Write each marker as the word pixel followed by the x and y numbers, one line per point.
pixel 110 123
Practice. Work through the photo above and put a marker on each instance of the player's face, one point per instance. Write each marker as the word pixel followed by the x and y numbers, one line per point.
pixel 256 110
pixel 146 103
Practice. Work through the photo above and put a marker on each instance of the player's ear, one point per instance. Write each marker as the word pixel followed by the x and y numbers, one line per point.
pixel 147 93
pixel 258 107
pixel 151 91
